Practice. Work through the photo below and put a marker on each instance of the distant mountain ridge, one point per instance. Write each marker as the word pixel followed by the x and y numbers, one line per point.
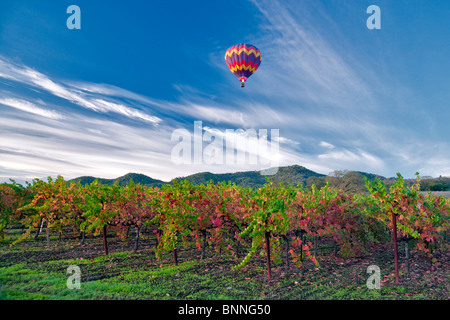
pixel 123 180
pixel 290 175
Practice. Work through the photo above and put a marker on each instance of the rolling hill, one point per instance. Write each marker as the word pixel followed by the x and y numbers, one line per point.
pixel 290 175
pixel 123 180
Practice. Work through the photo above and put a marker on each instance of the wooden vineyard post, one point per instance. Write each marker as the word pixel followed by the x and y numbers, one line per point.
pixel 269 272
pixel 301 247
pixel 286 239
pixel 315 246
pixel 136 243
pixel 39 228
pixel 128 232
pixel 83 236
pixel 158 236
pixel 48 234
pixel 203 244
pixel 394 235
pixel 105 243
pixel 237 248
pixel 407 257
pixel 175 257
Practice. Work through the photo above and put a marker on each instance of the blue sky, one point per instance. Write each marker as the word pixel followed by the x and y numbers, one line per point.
pixel 105 100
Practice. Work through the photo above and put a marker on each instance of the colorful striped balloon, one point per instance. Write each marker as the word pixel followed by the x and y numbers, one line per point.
pixel 243 60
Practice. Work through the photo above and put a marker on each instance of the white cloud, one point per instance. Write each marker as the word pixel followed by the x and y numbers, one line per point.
pixel 301 64
pixel 73 150
pixel 309 86
pixel 286 140
pixel 113 91
pixel 121 109
pixel 326 145
pixel 344 155
pixel 216 115
pixel 26 75
pixel 353 159
pixel 30 107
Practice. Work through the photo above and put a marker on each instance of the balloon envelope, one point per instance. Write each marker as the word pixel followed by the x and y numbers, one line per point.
pixel 243 60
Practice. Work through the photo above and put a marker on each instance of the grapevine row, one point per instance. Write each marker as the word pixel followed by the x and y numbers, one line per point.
pixel 279 221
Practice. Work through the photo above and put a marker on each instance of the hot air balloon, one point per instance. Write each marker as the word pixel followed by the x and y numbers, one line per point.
pixel 243 60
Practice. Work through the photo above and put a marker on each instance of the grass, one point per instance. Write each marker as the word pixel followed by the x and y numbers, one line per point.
pixel 30 271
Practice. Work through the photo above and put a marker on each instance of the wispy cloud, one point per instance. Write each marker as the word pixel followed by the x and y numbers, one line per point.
pixel 79 143
pixel 349 157
pixel 331 112
pixel 123 110
pixel 300 63
pixel 30 107
pixel 28 76
pixel 113 91
pixel 326 145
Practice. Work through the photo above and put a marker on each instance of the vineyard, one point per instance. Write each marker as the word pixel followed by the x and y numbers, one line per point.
pixel 278 227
